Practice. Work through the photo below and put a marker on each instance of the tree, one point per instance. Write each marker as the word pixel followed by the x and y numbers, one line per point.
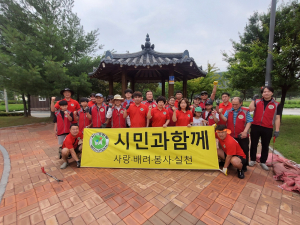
pixel 199 84
pixel 247 64
pixel 43 48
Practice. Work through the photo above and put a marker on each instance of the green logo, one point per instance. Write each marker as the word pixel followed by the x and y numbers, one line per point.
pixel 142 109
pixel 164 113
pixel 99 142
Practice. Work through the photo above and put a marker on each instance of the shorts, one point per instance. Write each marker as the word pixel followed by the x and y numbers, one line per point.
pixel 244 161
pixel 77 149
pixel 61 139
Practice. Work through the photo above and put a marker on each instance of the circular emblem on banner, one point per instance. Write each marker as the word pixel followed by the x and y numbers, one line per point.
pixel 164 113
pixel 211 117
pixel 102 110
pixel 99 142
pixel 72 104
pixel 241 117
pixel 142 109
pixel 271 106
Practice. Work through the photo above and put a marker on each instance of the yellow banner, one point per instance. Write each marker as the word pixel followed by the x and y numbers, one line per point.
pixel 151 148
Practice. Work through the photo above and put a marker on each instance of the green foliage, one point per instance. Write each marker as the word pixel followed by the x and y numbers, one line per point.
pixel 195 86
pixel 43 48
pixel 247 64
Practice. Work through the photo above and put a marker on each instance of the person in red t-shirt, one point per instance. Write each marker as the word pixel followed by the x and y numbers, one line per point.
pixel 171 104
pixel 149 102
pixel 92 100
pixel 72 145
pixel 230 151
pixel 72 104
pixel 178 96
pixel 183 116
pixel 137 111
pixel 159 115
pixel 225 105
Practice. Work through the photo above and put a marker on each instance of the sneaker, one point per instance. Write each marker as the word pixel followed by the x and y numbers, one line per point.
pixel 59 152
pixel 264 166
pixel 252 163
pixel 64 165
pixel 78 164
pixel 244 168
pixel 241 174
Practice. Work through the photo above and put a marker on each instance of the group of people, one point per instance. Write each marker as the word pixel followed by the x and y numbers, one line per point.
pixel 232 121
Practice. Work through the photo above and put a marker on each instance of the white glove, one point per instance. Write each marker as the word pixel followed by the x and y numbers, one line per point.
pixel 224 171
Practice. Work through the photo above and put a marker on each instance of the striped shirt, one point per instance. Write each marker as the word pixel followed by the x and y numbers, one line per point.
pixel 235 113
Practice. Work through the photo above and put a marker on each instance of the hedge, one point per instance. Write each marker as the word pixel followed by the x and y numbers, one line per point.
pixel 11 114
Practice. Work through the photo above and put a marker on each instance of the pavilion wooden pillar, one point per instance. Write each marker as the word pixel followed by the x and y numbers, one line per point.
pixel 124 82
pixel 184 84
pixel 171 86
pixel 132 83
pixel 163 86
pixel 111 85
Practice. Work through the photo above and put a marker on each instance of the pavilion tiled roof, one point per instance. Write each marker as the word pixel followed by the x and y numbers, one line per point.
pixel 112 63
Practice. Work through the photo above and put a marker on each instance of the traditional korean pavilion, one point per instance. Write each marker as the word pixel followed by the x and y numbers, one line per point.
pixel 147 66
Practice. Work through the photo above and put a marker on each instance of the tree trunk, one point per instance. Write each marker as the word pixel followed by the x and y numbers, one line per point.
pixel 244 93
pixel 29 105
pixel 192 96
pixel 24 104
pixel 284 90
pixel 52 114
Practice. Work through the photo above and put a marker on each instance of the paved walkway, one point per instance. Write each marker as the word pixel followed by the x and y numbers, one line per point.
pixel 129 196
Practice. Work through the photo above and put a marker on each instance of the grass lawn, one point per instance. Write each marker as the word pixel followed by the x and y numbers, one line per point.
pixel 12 107
pixel 7 121
pixel 288 142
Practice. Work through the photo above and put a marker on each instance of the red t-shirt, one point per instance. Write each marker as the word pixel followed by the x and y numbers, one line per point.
pixel 176 103
pixel 71 141
pixel 90 104
pixel 230 146
pixel 225 108
pixel 184 118
pixel 138 115
pixel 73 105
pixel 159 117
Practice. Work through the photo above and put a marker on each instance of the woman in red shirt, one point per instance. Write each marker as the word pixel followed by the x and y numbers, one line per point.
pixel 183 116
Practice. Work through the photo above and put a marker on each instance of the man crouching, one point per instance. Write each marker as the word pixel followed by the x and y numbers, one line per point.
pixel 72 145
pixel 230 151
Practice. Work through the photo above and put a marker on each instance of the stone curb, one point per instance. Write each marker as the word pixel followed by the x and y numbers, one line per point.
pixel 6 171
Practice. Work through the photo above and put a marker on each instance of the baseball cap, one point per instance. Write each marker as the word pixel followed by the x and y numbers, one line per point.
pixel 204 92
pixel 209 102
pixel 198 109
pixel 99 95
pixel 197 96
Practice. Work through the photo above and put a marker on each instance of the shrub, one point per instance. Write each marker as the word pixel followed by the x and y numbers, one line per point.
pixel 11 114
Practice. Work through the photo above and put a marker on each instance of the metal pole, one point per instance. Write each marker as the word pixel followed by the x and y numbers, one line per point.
pixel 6 101
pixel 269 66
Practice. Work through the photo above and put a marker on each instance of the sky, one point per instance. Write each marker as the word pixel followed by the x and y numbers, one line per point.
pixel 203 27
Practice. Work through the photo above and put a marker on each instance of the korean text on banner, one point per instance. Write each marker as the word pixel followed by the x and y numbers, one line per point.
pixel 151 147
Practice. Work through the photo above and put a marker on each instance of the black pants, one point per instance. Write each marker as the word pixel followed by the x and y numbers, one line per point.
pixel 244 143
pixel 265 134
